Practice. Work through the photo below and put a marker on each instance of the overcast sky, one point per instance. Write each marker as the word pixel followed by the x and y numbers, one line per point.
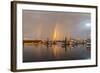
pixel 47 24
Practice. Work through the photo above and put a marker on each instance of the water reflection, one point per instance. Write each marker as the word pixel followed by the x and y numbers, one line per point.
pixel 40 52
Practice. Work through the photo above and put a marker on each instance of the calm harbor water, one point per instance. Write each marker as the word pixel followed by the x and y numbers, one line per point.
pixel 40 52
